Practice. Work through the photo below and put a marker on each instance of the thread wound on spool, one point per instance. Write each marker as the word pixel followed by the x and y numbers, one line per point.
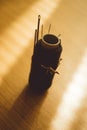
pixel 45 60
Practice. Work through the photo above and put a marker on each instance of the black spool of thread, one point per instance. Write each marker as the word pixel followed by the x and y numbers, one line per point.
pixel 45 61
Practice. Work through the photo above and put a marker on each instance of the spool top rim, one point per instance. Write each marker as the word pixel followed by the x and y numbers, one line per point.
pixel 50 40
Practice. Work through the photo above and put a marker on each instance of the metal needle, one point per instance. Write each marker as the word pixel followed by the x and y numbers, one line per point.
pixel 42 31
pixel 38 25
pixel 49 28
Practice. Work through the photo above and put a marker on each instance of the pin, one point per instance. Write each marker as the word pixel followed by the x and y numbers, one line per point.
pixel 59 35
pixel 50 70
pixel 38 25
pixel 49 28
pixel 41 31
pixel 35 37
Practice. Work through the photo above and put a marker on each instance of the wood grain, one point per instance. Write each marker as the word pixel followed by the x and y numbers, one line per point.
pixel 63 106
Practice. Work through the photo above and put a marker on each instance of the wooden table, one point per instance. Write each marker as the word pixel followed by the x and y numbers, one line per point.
pixel 63 106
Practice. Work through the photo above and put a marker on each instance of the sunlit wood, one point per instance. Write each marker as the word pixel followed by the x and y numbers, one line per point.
pixel 63 106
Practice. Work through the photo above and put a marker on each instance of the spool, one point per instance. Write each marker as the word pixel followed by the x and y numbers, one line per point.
pixel 45 60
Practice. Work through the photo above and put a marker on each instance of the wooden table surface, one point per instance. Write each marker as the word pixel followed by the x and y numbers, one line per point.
pixel 63 106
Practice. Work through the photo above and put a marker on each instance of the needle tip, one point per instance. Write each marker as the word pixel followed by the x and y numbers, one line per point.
pixel 39 16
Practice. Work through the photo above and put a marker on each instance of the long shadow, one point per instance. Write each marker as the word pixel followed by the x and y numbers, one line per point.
pixel 11 10
pixel 25 111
